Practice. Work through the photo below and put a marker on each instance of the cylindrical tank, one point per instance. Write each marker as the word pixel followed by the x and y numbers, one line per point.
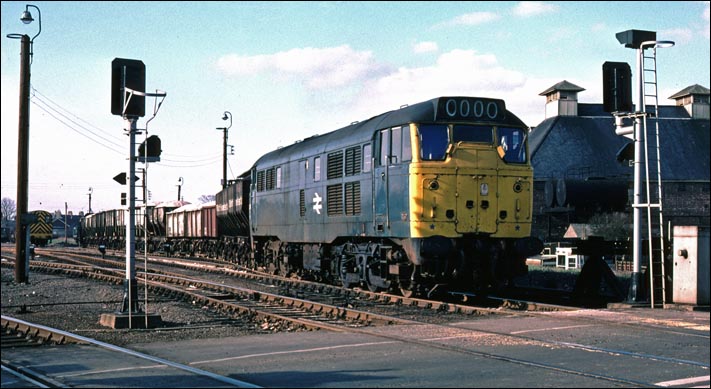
pixel 607 195
pixel 549 193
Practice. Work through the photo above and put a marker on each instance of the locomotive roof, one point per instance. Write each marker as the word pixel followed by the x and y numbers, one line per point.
pixel 361 132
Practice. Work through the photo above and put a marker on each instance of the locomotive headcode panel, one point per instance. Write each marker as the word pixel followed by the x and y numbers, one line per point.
pixel 470 109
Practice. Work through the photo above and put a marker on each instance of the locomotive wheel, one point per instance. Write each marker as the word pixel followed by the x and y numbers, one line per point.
pixel 375 282
pixel 406 287
pixel 343 265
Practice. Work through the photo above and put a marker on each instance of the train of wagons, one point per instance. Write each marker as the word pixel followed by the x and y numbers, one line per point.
pixel 435 194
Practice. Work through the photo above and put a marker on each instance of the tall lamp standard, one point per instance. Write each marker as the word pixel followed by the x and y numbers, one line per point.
pixel 638 40
pixel 225 116
pixel 23 146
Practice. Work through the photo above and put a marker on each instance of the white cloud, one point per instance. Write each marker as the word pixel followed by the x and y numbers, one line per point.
pixel 425 47
pixel 355 82
pixel 533 8
pixel 458 72
pixel 471 19
pixel 705 16
pixel 678 35
pixel 316 67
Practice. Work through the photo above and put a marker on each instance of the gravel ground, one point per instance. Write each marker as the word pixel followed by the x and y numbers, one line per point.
pixel 76 305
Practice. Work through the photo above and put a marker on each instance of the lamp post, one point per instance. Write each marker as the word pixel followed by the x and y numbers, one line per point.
pixel 180 185
pixel 23 146
pixel 91 190
pixel 226 115
pixel 638 40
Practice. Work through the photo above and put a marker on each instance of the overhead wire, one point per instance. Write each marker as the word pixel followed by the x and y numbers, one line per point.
pixel 74 123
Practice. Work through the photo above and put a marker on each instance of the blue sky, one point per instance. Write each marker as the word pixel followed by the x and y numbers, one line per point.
pixel 289 70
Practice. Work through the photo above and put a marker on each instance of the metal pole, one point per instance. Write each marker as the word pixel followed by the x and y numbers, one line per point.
pixel 65 223
pixel 23 157
pixel 635 292
pixel 224 159
pixel 130 303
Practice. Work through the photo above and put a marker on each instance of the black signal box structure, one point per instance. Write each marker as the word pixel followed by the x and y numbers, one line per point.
pixel 632 39
pixel 152 144
pixel 134 73
pixel 616 87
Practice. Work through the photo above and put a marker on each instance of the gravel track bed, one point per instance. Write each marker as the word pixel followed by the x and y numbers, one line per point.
pixel 76 304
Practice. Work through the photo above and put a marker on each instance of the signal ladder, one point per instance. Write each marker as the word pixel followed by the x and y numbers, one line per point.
pixel 653 171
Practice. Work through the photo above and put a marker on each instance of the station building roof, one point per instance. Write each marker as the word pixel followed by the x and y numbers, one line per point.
pixel 586 145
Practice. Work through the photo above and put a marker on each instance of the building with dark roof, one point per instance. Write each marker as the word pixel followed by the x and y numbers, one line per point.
pixel 581 169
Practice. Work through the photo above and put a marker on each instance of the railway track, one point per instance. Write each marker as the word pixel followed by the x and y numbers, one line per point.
pixel 476 305
pixel 291 313
pixel 440 336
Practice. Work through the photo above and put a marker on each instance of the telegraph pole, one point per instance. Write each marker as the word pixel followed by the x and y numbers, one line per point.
pixel 22 220
pixel 23 157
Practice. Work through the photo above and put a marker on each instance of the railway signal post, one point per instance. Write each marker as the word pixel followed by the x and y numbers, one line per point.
pixel 128 85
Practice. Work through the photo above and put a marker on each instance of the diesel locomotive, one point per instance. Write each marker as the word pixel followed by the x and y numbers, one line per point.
pixel 435 194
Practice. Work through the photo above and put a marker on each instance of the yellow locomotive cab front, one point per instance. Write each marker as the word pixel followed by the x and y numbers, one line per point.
pixel 471 188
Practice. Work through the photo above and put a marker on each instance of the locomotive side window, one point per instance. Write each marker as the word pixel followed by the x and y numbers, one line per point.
pixel 406 144
pixel 317 169
pixel 367 155
pixel 396 145
pixel 384 147
pixel 434 139
pixel 474 134
pixel 278 178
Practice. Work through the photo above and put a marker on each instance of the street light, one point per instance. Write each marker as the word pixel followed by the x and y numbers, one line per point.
pixel 27 18
pixel 225 116
pixel 639 40
pixel 91 190
pixel 23 146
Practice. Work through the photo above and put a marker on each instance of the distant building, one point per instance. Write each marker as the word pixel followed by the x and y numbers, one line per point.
pixel 579 171
pixel 58 226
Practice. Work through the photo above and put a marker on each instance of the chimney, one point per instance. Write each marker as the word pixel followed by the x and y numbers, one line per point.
pixel 562 99
pixel 695 99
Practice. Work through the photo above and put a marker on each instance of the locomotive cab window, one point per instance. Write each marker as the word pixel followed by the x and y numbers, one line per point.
pixel 512 147
pixel 434 140
pixel 395 146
